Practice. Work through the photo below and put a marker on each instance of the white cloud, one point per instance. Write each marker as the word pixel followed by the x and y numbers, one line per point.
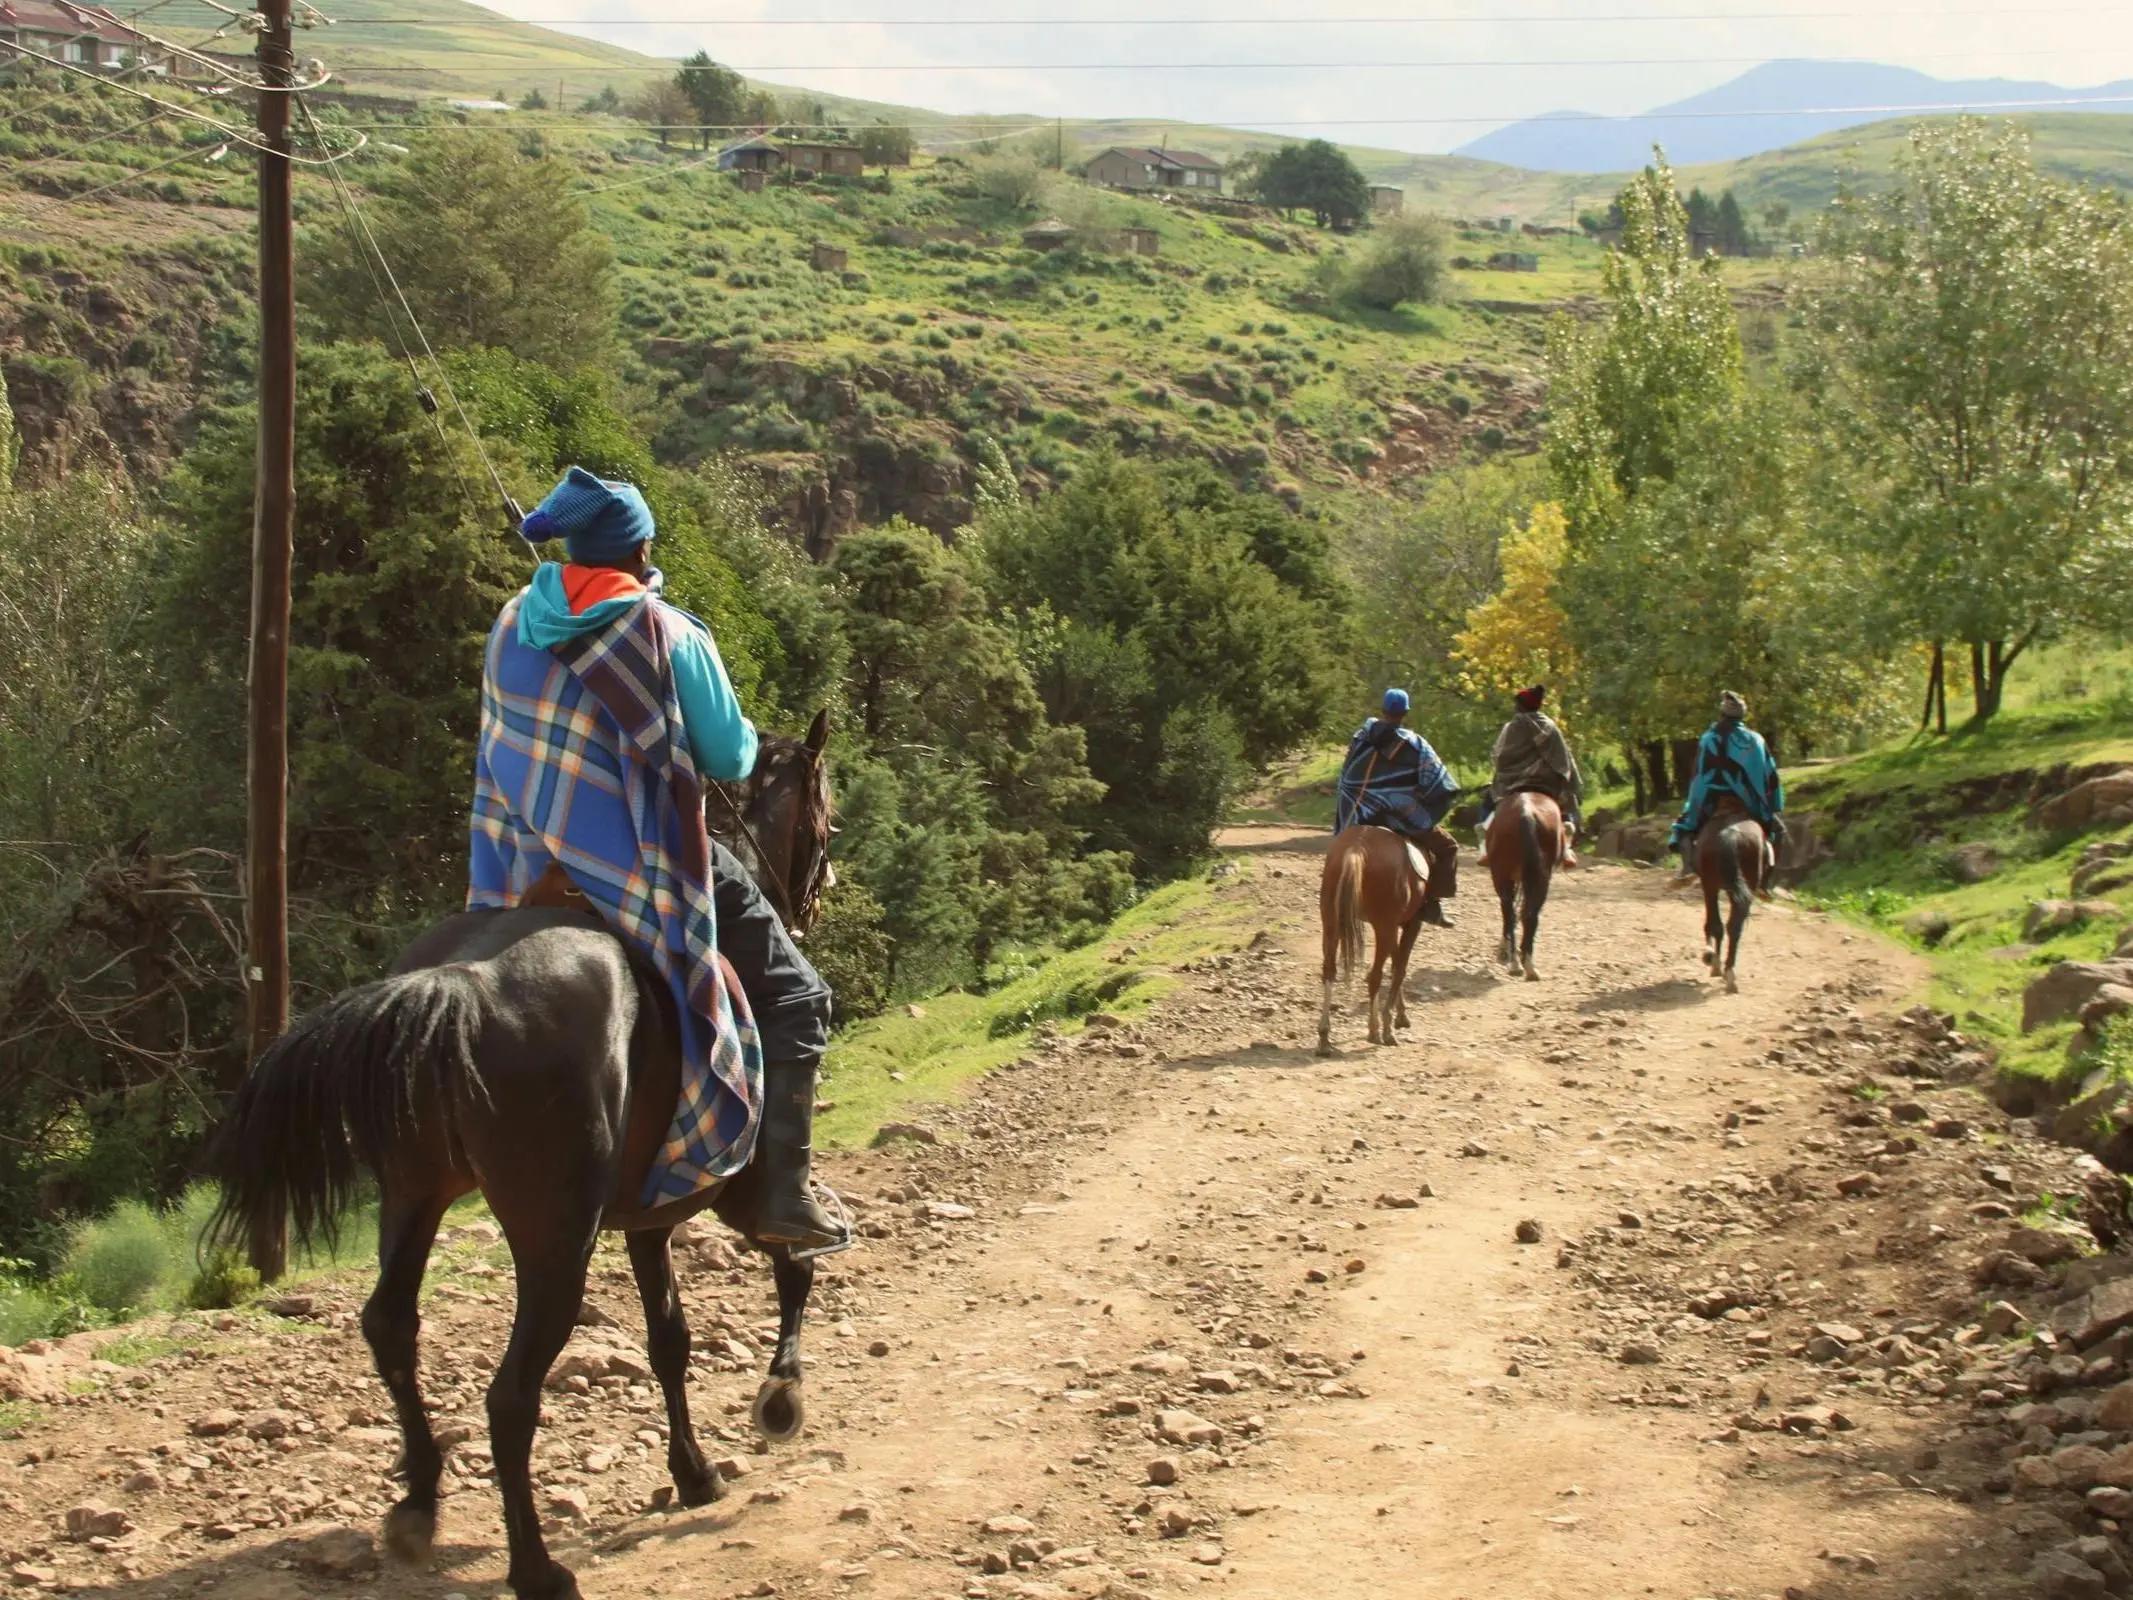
pixel 1384 82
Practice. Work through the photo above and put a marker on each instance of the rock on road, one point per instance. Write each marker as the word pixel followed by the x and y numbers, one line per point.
pixel 1175 1308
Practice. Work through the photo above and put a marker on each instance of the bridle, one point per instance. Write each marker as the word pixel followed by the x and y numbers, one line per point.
pixel 795 915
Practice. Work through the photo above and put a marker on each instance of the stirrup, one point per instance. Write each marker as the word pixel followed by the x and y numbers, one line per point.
pixel 844 1218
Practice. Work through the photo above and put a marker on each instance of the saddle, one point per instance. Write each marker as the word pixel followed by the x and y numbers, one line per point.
pixel 554 890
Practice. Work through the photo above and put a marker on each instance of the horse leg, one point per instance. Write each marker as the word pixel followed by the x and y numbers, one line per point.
pixel 1735 924
pixel 551 1288
pixel 1325 1001
pixel 1714 929
pixel 1507 897
pixel 1399 965
pixel 392 1323
pixel 779 1410
pixel 1380 946
pixel 666 1340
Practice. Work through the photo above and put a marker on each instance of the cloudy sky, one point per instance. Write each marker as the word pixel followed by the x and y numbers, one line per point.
pixel 1410 74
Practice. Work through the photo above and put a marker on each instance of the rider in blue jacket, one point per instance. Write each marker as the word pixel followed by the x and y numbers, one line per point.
pixel 1391 778
pixel 1731 758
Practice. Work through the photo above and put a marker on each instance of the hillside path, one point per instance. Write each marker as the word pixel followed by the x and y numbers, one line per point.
pixel 1382 1394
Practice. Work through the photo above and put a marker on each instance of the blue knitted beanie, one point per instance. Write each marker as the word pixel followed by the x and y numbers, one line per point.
pixel 599 522
pixel 1395 702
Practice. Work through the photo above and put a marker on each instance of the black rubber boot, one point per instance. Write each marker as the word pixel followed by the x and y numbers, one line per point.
pixel 789 1214
pixel 1433 913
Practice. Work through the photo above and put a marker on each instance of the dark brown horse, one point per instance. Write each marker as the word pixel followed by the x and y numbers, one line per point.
pixel 526 1055
pixel 1375 876
pixel 1730 855
pixel 1523 844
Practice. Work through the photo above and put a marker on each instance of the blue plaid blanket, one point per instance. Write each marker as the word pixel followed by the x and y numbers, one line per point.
pixel 1397 783
pixel 583 761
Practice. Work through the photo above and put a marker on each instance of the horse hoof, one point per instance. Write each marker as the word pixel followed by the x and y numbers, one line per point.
pixel 410 1530
pixel 557 1583
pixel 1325 1048
pixel 1732 984
pixel 1532 973
pixel 778 1412
pixel 697 1483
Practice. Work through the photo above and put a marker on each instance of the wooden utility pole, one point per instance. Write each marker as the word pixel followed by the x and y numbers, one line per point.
pixel 273 512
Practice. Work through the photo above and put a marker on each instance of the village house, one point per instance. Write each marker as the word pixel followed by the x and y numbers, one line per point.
pixel 85 36
pixel 1132 167
pixel 832 160
pixel 751 155
pixel 1387 199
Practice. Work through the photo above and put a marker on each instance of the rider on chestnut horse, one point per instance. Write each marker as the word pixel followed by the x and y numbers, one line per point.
pixel 1731 759
pixel 1392 779
pixel 1532 755
pixel 611 763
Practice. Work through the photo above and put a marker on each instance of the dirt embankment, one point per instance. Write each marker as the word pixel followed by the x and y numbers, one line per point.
pixel 1179 1307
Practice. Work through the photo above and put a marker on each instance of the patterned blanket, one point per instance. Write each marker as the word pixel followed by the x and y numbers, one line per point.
pixel 553 784
pixel 1392 779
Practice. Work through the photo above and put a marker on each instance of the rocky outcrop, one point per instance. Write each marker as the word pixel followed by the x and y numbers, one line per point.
pixel 2104 868
pixel 2047 917
pixel 2066 991
pixel 2105 801
pixel 1973 863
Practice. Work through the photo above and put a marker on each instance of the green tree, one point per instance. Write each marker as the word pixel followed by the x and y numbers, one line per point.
pixel 1185 625
pixel 491 247
pixel 1630 394
pixel 534 101
pixel 886 144
pixel 718 95
pixel 606 103
pixel 1404 263
pixel 1731 227
pixel 1977 353
pixel 1316 177
pixel 662 104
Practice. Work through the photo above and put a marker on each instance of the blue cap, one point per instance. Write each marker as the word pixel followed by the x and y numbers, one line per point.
pixel 599 521
pixel 1395 702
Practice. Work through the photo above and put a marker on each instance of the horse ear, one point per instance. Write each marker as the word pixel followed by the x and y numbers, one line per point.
pixel 818 731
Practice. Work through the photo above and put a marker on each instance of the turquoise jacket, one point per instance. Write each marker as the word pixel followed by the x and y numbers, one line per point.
pixel 721 738
pixel 1731 759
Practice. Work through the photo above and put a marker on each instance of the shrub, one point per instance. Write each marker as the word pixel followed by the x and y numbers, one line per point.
pixel 1404 263
pixel 121 1262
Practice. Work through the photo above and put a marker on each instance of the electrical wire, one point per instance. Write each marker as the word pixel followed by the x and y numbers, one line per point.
pixel 199 154
pixel 1304 19
pixel 357 236
pixel 237 135
pixel 445 377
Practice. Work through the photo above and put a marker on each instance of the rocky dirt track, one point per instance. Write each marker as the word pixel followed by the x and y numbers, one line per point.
pixel 1610 1285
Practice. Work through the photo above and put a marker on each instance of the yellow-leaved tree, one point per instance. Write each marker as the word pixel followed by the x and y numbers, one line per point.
pixel 1520 634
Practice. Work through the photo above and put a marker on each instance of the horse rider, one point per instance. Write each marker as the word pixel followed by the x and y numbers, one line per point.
pixel 1731 759
pixel 572 769
pixel 1532 756
pixel 1391 778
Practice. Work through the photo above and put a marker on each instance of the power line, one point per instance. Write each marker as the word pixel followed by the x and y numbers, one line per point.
pixel 490 63
pixel 1019 124
pixel 1301 20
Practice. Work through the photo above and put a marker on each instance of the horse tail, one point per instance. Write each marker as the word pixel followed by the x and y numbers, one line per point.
pixel 1348 912
pixel 324 1101
pixel 1730 871
pixel 1533 860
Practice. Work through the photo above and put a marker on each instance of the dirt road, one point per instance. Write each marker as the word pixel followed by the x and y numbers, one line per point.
pixel 1178 1307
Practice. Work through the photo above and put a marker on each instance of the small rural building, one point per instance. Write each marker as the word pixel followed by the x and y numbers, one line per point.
pixel 1135 167
pixel 1387 199
pixel 826 258
pixel 751 180
pixel 1140 241
pixel 831 160
pixel 1514 261
pixel 751 155
pixel 1049 235
pixel 85 36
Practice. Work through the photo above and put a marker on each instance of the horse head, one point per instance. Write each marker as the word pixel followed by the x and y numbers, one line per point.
pixel 778 821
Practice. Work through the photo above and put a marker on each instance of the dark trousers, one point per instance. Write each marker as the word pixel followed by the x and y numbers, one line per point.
pixel 790 1001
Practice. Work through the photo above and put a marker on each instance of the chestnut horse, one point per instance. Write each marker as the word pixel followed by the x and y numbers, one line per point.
pixel 1372 875
pixel 1730 855
pixel 1523 844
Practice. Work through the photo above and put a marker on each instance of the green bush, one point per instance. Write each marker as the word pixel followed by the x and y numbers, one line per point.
pixel 123 1262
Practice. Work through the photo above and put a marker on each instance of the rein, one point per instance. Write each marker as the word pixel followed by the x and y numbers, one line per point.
pixel 762 856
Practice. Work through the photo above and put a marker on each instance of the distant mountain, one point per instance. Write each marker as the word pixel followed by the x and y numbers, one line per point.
pixel 1767 108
